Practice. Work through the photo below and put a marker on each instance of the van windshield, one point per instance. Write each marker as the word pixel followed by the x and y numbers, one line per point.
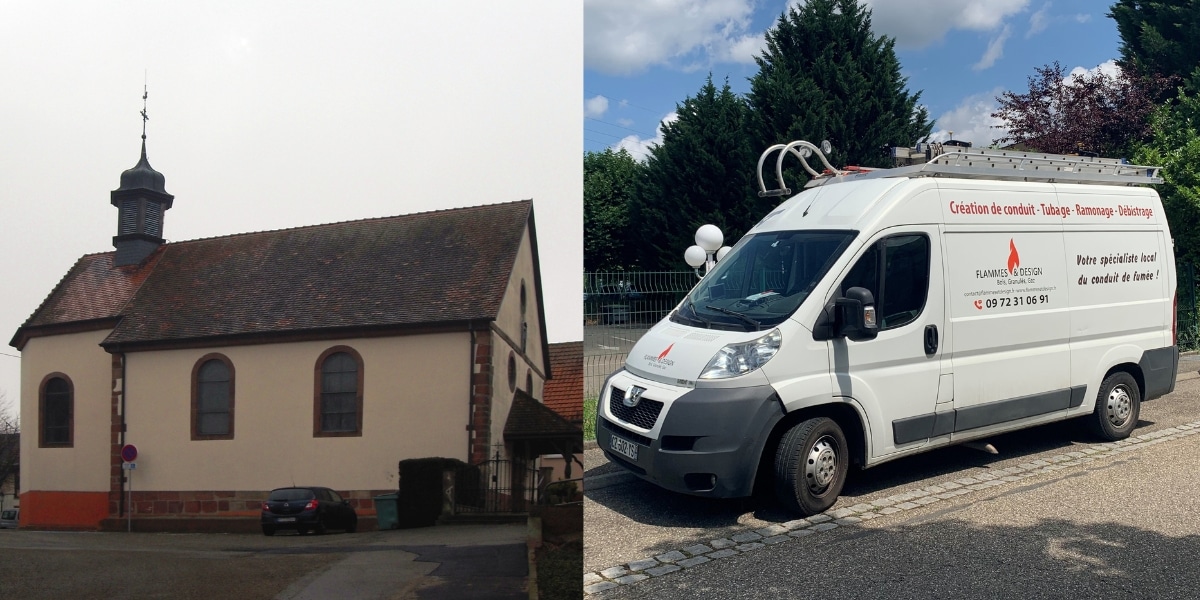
pixel 763 279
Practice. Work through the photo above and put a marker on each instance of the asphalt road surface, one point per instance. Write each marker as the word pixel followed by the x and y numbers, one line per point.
pixel 1053 515
pixel 432 563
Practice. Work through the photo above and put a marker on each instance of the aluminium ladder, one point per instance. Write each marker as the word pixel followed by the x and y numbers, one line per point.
pixel 968 163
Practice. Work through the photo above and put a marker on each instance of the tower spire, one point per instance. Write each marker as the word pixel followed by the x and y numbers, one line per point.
pixel 145 117
pixel 141 201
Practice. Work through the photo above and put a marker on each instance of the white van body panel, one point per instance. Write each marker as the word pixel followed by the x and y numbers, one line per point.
pixel 1035 292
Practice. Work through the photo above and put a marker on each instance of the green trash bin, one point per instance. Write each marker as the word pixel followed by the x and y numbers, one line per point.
pixel 387 513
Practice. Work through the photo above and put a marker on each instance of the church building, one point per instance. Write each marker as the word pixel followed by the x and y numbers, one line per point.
pixel 319 355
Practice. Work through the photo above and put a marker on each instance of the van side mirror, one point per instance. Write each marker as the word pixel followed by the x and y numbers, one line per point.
pixel 854 315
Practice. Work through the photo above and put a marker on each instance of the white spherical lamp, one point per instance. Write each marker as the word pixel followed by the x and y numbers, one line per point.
pixel 694 256
pixel 709 237
pixel 722 252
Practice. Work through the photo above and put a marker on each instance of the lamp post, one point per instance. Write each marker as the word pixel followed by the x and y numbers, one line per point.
pixel 708 249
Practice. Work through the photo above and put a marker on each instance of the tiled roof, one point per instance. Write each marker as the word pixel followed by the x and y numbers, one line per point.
pixel 529 418
pixel 564 392
pixel 91 290
pixel 439 267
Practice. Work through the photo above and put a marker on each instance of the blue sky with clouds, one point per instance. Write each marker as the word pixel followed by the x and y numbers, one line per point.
pixel 642 57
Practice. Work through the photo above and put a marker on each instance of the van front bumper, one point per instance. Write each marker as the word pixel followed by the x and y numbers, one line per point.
pixel 709 440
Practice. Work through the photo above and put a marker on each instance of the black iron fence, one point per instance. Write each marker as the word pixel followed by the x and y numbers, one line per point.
pixel 496 486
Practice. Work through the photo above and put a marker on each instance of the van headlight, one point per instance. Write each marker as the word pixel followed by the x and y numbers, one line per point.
pixel 739 359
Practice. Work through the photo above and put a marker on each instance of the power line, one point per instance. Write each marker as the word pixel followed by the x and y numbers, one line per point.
pixel 613 135
pixel 623 102
pixel 643 133
pixel 10 355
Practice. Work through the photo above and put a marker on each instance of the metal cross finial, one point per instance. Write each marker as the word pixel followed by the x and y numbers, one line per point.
pixel 145 94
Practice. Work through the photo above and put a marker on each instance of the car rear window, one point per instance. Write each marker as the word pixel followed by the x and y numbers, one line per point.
pixel 290 494
pixel 8 514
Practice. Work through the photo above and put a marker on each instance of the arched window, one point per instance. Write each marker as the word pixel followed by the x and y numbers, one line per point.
pixel 338 400
pixel 529 382
pixel 212 398
pixel 56 412
pixel 524 321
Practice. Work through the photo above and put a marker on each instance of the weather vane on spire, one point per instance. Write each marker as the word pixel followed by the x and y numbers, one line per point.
pixel 145 117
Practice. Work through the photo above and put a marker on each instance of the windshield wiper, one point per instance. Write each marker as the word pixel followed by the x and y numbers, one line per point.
pixel 705 322
pixel 756 324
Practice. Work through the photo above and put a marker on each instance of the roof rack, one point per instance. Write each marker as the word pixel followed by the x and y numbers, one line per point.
pixel 966 163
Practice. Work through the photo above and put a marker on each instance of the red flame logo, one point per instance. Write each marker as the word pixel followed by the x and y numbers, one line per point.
pixel 1014 259
pixel 664 352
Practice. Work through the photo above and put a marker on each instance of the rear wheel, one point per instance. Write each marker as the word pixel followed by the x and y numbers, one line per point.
pixel 810 466
pixel 353 524
pixel 268 530
pixel 1118 405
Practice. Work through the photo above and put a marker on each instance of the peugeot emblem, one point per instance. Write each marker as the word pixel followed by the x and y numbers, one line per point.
pixel 633 395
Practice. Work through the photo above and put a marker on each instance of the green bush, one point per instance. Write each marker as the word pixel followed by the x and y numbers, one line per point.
pixel 589 418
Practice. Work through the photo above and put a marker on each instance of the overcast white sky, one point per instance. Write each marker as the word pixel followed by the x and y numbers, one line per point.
pixel 272 114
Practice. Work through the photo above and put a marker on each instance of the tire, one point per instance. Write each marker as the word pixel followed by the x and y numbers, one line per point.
pixel 810 466
pixel 268 530
pixel 1118 405
pixel 353 525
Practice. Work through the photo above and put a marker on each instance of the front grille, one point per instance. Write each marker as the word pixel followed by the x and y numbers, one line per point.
pixel 644 415
pixel 632 436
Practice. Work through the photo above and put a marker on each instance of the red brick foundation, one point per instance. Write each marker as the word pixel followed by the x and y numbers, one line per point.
pixel 228 511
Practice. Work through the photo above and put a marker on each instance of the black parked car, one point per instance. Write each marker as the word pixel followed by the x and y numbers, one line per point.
pixel 307 509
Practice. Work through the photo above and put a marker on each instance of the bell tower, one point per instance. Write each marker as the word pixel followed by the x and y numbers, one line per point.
pixel 141 202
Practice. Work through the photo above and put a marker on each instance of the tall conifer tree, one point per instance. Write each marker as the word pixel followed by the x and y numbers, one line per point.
pixel 702 172
pixel 825 76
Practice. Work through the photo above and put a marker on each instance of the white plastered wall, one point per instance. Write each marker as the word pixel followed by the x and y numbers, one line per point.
pixel 509 321
pixel 85 466
pixel 415 398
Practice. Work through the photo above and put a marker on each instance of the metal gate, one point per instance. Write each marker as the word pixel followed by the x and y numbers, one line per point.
pixel 496 486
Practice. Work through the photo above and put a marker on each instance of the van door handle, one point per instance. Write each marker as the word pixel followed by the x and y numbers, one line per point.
pixel 931 340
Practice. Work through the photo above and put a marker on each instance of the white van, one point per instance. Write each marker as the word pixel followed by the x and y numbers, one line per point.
pixel 880 314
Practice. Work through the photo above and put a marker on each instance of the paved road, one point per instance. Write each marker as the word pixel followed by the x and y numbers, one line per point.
pixel 461 561
pixel 1097 520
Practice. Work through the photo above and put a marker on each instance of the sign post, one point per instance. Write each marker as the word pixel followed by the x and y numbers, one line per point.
pixel 129 454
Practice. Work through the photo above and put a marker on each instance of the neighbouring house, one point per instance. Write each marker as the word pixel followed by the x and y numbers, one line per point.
pixel 10 471
pixel 563 394
pixel 317 355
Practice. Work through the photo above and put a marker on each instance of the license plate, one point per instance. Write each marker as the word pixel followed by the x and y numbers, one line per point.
pixel 625 448
pixel 286 519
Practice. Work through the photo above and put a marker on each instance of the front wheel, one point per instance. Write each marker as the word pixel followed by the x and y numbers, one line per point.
pixel 1118 405
pixel 810 466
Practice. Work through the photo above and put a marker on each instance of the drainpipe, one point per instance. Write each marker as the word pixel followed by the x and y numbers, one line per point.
pixel 471 390
pixel 124 392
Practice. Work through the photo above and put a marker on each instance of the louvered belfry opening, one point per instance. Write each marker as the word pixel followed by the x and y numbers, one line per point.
pixel 141 201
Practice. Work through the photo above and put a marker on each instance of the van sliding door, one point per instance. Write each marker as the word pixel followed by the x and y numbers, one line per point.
pixel 1011 360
